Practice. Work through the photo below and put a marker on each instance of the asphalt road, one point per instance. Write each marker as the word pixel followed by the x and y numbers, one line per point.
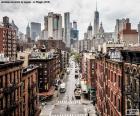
pixel 57 107
pixel 65 99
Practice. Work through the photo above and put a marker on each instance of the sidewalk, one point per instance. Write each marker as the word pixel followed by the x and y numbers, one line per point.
pixel 88 107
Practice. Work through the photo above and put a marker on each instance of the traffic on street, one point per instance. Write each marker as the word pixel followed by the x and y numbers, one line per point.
pixel 68 99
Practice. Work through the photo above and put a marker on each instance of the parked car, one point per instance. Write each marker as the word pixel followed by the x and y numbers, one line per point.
pixel 76 76
pixel 78 85
pixel 62 88
pixel 42 98
pixel 77 93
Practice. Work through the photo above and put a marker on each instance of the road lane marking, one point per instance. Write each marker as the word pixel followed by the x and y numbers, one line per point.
pixel 69 115
pixel 69 102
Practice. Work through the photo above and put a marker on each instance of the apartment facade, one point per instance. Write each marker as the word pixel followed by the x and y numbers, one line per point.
pixel 8 42
pixel 30 91
pixel 48 71
pixel 11 99
pixel 18 90
pixel 131 80
pixel 113 87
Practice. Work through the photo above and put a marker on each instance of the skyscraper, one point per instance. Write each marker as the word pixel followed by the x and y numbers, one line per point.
pixel 89 31
pixel 35 30
pixel 28 31
pixel 53 26
pixel 74 25
pixel 67 28
pixel 74 31
pixel 139 32
pixel 96 21
pixel 120 25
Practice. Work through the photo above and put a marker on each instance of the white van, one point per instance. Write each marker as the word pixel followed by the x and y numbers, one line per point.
pixel 62 88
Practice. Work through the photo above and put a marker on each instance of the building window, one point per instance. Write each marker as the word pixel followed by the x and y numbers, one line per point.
pixel 111 96
pixel 115 77
pixel 119 81
pixel 111 113
pixel 1 82
pixel 111 76
pixel 115 100
pixel 134 85
pixel 6 80
pixel 1 104
pixel 119 105
pixel 128 104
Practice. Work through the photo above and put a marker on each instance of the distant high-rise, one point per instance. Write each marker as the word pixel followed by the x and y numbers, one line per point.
pixel 139 31
pixel 101 29
pixel 28 31
pixel 7 39
pixel 67 28
pixel 89 31
pixel 14 27
pixel 96 21
pixel 74 34
pixel 35 30
pixel 6 21
pixel 120 25
pixel 53 26
pixel 74 25
pixel 128 35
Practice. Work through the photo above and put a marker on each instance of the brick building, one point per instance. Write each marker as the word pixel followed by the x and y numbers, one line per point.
pixel 55 44
pixel 49 70
pixel 30 91
pixel 113 87
pixel 11 89
pixel 8 42
pixel 87 69
pixel 100 91
pixel 17 90
pixel 131 90
pixel 128 35
pixel 117 82
pixel 109 79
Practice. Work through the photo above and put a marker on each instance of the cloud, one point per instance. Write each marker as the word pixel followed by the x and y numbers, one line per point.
pixel 81 10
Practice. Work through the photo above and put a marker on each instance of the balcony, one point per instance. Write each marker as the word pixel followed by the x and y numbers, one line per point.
pixel 33 85
pixel 10 109
pixel 127 69
pixel 128 90
pixel 10 89
pixel 136 97
pixel 34 97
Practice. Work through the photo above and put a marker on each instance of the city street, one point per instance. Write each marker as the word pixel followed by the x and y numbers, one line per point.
pixel 57 107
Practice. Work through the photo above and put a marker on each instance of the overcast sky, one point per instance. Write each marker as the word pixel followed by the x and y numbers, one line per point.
pixel 81 11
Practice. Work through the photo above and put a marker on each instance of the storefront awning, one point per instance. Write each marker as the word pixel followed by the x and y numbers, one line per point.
pixel 49 93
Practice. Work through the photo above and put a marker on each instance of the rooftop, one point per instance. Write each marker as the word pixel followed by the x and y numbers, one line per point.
pixel 29 69
pixel 10 64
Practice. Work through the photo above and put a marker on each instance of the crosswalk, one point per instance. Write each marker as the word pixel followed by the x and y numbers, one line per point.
pixel 69 102
pixel 69 115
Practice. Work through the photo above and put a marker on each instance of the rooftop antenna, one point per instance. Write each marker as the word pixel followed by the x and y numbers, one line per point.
pixel 96 5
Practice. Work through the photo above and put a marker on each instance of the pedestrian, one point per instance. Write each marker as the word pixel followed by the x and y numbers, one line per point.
pixel 88 112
